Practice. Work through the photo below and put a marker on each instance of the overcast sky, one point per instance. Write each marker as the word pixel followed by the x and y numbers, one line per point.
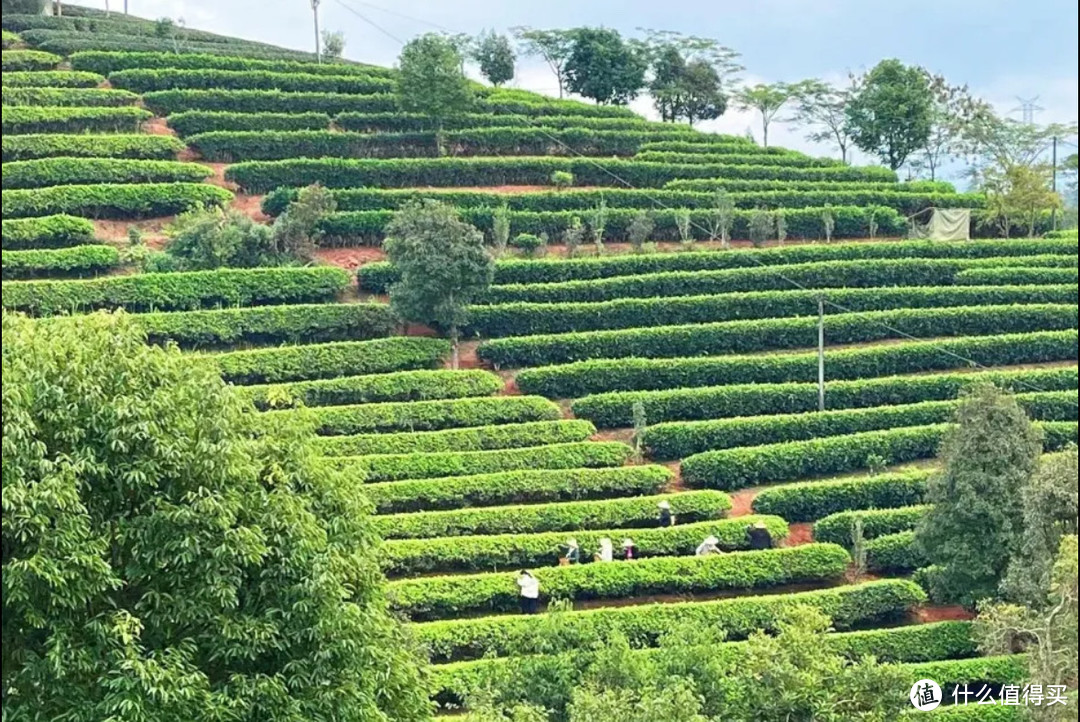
pixel 1001 48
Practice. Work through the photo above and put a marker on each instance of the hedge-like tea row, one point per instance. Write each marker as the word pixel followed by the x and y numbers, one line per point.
pixel 242 145
pixel 377 277
pixel 524 318
pixel 749 466
pixel 440 597
pixel 18 119
pixel 820 274
pixel 84 171
pixel 330 360
pixel 894 554
pixel 167 291
pixel 738 145
pixel 10 39
pixel 792 160
pixel 643 625
pixel 113 200
pixel 46 232
pixel 52 79
pixel 811 500
pixel 632 374
pixel 369 226
pixel 76 261
pixel 28 60
pixel 109 62
pixel 708 185
pixel 472 438
pixel 203 121
pixel 66 42
pixel 1061 233
pixel 265 325
pixel 263 176
pixel 837 528
pixel 503 551
pixel 149 147
pixel 363 199
pixel 392 467
pixel 412 122
pixel 777 333
pixel 430 415
pixel 85 97
pixel 167 102
pixel 145 80
pixel 680 439
pixel 630 513
pixel 714 402
pixel 980 276
pixel 516 487
pixel 93 23
pixel 399 386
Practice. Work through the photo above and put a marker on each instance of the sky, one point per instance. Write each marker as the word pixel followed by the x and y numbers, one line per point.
pixel 1002 49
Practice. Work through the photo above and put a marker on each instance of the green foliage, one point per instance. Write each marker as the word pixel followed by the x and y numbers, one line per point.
pixel 19 60
pixel 194 122
pixel 296 232
pixel 167 102
pixel 894 554
pixel 1016 275
pixel 47 232
pixel 530 245
pixel 430 79
pixel 406 122
pixel 85 260
pixel 495 56
pixel 19 120
pixel 146 80
pixel 808 501
pixel 27 147
pixel 500 230
pixel 603 67
pixel 285 573
pixel 177 291
pixel 516 487
pixel 774 334
pixel 67 96
pixel 52 79
pixel 837 528
pixel 731 155
pixel 562 179
pixel 108 62
pixel 113 200
pixel 437 597
pixel 976 522
pixel 1018 195
pixel 85 171
pixel 209 238
pixel 10 38
pixel 640 229
pixel 767 99
pixel 889 112
pixel 473 438
pixel 736 468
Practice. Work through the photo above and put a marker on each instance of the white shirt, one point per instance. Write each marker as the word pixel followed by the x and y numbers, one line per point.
pixel 605 552
pixel 706 548
pixel 530 587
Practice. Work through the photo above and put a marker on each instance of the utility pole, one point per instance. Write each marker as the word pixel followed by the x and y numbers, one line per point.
pixel 1053 181
pixel 125 7
pixel 821 353
pixel 318 40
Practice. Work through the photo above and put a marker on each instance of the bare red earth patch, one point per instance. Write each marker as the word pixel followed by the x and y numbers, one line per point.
pixel 350 258
pixel 942 613
pixel 157 126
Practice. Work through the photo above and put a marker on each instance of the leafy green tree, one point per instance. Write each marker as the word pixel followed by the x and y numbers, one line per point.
pixel 430 79
pixel 640 228
pixel 975 524
pixel 689 90
pixel 761 227
pixel 495 56
pixel 23 7
pixel 890 112
pixel 721 217
pixel 205 238
pixel 333 44
pixel 168 556
pixel 444 266
pixel 767 99
pixel 1050 512
pixel 604 67
pixel 668 69
pixel 554 46
pixel 954 113
pixel 823 108
pixel 1018 195
pixel 500 229
pixel 297 231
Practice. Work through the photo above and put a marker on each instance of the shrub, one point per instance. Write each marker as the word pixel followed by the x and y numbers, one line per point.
pixel 676 440
pixel 808 501
pixel 167 102
pixel 67 97
pixel 430 415
pixel 44 119
pixel 331 360
pixel 562 179
pixel 202 121
pixel 613 410
pixel 167 291
pixel 145 80
pixel 836 528
pixel 28 147
pixel 505 551
pixel 585 377
pixel 977 276
pixel 410 122
pixel 524 318
pixel 894 553
pixel 473 438
pixel 516 487
pixel 112 200
pixel 16 60
pixel 439 597
pixel 790 160
pixel 771 334
pixel 736 468
pixel 527 243
pixel 390 467
pixel 644 624
pixel 79 171
pixel 10 39
pixel 108 62
pixel 47 232
pixel 77 261
pixel 52 79
pixel 397 386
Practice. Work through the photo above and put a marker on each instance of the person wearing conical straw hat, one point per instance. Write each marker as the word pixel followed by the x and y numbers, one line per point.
pixel 573 551
pixel 708 547
pixel 666 517
pixel 759 536
pixel 629 550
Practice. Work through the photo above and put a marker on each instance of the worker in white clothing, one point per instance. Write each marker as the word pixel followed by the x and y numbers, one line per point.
pixel 607 552
pixel 709 546
pixel 529 592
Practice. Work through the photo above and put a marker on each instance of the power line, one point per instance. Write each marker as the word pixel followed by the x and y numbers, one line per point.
pixel 404 16
pixel 370 22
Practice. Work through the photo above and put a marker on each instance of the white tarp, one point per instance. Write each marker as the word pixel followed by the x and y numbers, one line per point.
pixel 946 224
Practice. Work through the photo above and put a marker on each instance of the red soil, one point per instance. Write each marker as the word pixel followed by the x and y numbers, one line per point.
pixel 742 502
pixel 942 613
pixel 116 232
pixel 624 435
pixel 800 533
pixel 157 126
pixel 250 206
pixel 467 358
pixel 217 177
pixel 350 258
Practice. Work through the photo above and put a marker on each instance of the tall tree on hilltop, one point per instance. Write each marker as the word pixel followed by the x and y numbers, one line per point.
pixel 495 57
pixel 604 67
pixel 689 75
pixel 823 107
pixel 170 555
pixel 431 81
pixel 444 266
pixel 767 99
pixel 890 113
pixel 554 46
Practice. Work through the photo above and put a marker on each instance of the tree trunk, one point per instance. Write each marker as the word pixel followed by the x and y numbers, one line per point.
pixel 318 38
pixel 764 135
pixel 455 356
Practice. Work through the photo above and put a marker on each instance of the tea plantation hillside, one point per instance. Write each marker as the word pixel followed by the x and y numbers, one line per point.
pixel 704 339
